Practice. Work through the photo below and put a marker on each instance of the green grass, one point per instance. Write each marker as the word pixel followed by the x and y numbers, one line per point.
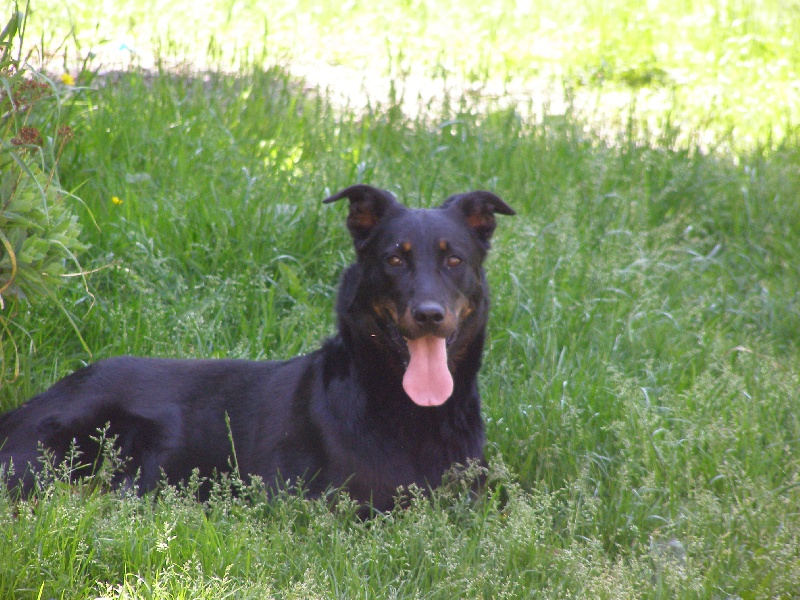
pixel 718 67
pixel 641 379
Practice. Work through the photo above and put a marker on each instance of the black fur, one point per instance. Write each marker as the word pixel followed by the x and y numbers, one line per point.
pixel 336 417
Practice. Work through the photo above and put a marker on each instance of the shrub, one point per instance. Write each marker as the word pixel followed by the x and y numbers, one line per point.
pixel 39 232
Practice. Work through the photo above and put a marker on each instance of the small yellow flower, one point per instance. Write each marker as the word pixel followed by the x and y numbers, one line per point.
pixel 67 79
pixel 115 200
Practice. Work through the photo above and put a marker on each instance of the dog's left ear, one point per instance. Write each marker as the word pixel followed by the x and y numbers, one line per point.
pixel 368 205
pixel 478 209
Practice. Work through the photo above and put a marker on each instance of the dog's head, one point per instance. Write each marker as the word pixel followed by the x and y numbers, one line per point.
pixel 418 286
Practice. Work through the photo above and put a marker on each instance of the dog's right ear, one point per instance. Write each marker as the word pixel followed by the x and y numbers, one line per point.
pixel 368 205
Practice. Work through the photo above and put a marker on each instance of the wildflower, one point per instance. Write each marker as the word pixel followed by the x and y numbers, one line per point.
pixel 67 79
pixel 116 201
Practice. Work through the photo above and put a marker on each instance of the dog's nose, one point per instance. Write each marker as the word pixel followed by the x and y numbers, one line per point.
pixel 428 313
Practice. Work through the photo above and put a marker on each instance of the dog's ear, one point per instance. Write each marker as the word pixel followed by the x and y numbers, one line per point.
pixel 478 209
pixel 368 205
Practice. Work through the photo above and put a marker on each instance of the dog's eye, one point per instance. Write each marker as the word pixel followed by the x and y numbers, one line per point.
pixel 394 261
pixel 453 261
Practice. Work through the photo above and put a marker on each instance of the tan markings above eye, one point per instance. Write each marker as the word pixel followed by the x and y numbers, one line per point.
pixel 453 261
pixel 394 261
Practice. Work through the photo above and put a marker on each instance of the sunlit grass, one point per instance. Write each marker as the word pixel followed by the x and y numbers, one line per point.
pixel 728 68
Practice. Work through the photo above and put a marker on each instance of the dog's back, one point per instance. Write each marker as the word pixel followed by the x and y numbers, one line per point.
pixel 389 401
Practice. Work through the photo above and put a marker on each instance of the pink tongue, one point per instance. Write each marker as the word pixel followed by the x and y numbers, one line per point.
pixel 427 380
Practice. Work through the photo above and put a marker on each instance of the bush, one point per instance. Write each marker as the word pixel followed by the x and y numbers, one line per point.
pixel 39 233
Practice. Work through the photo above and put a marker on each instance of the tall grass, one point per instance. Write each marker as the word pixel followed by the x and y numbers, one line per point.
pixel 640 382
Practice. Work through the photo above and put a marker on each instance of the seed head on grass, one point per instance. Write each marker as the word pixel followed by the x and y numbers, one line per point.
pixel 27 94
pixel 65 133
pixel 28 136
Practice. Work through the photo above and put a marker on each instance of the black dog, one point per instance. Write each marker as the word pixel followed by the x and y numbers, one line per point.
pixel 390 401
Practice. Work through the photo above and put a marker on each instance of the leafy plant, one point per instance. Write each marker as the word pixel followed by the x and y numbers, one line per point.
pixel 39 233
